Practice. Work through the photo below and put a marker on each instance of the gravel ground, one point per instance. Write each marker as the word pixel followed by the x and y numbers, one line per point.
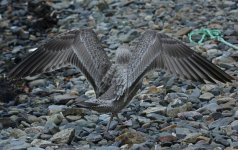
pixel 167 113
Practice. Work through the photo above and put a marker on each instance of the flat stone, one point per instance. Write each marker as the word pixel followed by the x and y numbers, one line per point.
pixel 40 142
pixel 93 137
pixel 158 108
pixel 16 144
pixel 53 109
pixel 63 99
pixel 35 148
pixel 192 137
pixel 206 96
pixel 63 137
pixel 131 137
pixel 55 118
pixel 72 118
pixel 173 111
pixel 183 31
pixel 38 82
pixel 17 133
pixel 190 115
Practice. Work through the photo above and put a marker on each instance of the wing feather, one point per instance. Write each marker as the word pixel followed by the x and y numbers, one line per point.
pixel 155 50
pixel 80 48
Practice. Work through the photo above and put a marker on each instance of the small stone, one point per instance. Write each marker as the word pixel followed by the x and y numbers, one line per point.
pixel 212 107
pixel 94 137
pixel 208 87
pixel 108 148
pixel 35 148
pixel 183 31
pixel 16 144
pixel 236 115
pixel 206 96
pixel 167 138
pixel 34 130
pixel 90 93
pixel 190 115
pixel 160 109
pixel 131 137
pixel 40 142
pixel 38 83
pixel 143 120
pixel 129 36
pixel 182 131
pixel 173 112
pixel 51 127
pixel 17 133
pixel 234 123
pixel 224 100
pixel 63 99
pixel 64 137
pixel 55 118
pixel 53 109
pixel 72 118
pixel 192 137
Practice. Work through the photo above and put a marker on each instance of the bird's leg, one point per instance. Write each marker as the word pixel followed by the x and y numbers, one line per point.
pixel 119 120
pixel 108 124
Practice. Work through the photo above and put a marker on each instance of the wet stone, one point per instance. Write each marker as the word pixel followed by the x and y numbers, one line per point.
pixel 64 136
pixel 94 137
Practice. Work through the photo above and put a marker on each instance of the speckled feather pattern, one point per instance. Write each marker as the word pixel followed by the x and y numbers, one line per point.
pixel 115 85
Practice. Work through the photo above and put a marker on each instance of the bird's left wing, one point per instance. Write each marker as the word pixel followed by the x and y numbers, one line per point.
pixel 159 51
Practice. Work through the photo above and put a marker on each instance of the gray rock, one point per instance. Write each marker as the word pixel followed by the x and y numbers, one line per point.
pixel 143 120
pixel 53 109
pixel 17 133
pixel 129 36
pixel 63 99
pixel 108 148
pixel 191 137
pixel 220 122
pixel 64 136
pixel 38 82
pixel 16 144
pixel 34 148
pixel 40 143
pixel 55 118
pixel 158 108
pixel 206 96
pixel 93 137
pixel 182 131
pixel 172 111
pixel 51 127
pixel 234 123
pixel 212 107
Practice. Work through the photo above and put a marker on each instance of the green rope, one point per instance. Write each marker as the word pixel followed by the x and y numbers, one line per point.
pixel 212 34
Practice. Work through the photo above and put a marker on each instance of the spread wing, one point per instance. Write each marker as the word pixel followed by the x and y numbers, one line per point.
pixel 155 50
pixel 80 48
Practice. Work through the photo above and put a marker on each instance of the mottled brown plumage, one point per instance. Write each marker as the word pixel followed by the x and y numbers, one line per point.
pixel 116 84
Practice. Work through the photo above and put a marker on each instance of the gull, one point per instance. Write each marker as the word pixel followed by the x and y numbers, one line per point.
pixel 115 84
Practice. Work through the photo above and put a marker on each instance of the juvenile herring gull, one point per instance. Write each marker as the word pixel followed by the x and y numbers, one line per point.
pixel 116 84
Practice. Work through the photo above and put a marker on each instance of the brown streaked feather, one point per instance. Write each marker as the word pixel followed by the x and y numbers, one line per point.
pixel 80 48
pixel 156 50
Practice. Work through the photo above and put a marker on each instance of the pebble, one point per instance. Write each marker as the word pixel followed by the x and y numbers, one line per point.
pixel 94 137
pixel 64 136
pixel 206 96
pixel 40 143
pixel 37 83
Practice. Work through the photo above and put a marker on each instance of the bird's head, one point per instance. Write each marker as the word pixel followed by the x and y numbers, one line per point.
pixel 123 54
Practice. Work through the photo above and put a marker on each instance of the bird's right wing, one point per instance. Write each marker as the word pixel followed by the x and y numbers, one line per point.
pixel 80 48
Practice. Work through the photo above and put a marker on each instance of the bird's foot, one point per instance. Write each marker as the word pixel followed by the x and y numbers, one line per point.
pixel 109 123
